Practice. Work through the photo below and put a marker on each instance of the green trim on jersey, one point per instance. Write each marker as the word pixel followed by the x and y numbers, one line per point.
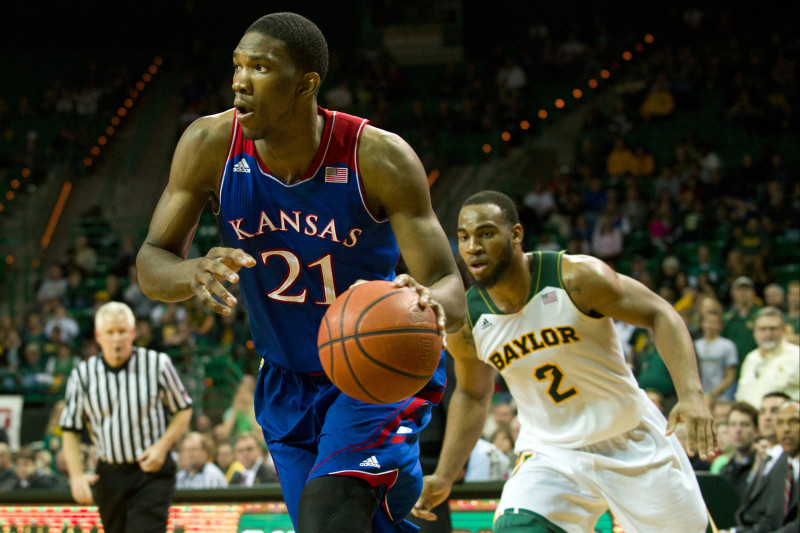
pixel 524 521
pixel 546 272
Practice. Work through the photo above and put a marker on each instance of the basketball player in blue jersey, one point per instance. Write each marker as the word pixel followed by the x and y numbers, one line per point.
pixel 590 439
pixel 308 202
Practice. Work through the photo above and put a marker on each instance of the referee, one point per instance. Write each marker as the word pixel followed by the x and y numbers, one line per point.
pixel 135 407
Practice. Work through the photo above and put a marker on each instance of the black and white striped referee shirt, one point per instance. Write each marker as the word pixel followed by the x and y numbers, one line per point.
pixel 126 409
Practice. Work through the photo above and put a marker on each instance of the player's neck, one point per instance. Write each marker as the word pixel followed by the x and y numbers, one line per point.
pixel 288 153
pixel 510 293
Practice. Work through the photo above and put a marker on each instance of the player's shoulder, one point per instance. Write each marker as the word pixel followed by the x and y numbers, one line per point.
pixel 380 147
pixel 216 126
pixel 584 267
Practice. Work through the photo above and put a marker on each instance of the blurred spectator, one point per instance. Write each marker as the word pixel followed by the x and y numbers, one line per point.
pixel 703 264
pixel 198 472
pixel 240 417
pixel 78 296
pixel 165 317
pixel 740 318
pixel 145 337
pixel 642 162
pixel 773 366
pixel 721 409
pixel 10 346
pixel 775 296
pixel 201 321
pixel 29 476
pixel 67 326
pixel 126 258
pixel 771 504
pixel 659 102
pixel 793 312
pixel 648 367
pixel 32 373
pixel 743 429
pixel 753 244
pixel 503 439
pixel 60 365
pixel 8 478
pixel 607 240
pixel 132 294
pixel 537 205
pixel 661 227
pixel 33 332
pixel 85 257
pixel 255 469
pixel 340 98
pixel 54 286
pixel 501 415
pixel 226 460
pixel 487 463
pixel 52 431
pixel 725 449
pixel 717 359
pixel 766 416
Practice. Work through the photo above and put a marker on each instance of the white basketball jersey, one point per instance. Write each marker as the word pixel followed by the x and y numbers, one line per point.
pixel 565 369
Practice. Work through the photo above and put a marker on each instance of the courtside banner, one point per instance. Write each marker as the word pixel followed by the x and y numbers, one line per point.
pixel 11 418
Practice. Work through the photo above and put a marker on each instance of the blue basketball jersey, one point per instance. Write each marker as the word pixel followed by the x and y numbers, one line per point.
pixel 311 239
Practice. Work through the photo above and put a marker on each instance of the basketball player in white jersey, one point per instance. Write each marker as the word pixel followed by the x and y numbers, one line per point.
pixel 590 438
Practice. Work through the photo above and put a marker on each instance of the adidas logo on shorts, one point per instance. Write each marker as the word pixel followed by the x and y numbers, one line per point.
pixel 371 462
pixel 241 166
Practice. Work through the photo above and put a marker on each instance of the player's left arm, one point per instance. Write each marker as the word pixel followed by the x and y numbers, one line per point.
pixel 396 186
pixel 594 286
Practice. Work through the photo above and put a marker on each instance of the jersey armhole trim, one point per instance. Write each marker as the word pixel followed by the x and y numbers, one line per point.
pixel 228 158
pixel 594 315
pixel 361 191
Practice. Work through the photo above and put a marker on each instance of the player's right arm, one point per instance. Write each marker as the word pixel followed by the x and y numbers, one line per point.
pixel 466 416
pixel 164 271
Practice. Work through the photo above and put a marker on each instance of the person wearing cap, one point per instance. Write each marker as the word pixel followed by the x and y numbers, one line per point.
pixel 773 366
pixel 738 321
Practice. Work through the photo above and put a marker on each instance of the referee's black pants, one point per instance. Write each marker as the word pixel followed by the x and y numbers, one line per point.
pixel 133 501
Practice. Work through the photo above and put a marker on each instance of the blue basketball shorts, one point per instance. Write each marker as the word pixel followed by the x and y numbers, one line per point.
pixel 312 429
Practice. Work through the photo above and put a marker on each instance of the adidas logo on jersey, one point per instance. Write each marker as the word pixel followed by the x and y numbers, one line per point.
pixel 241 166
pixel 485 323
pixel 371 462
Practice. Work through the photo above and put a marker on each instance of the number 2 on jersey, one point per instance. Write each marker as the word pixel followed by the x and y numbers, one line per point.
pixel 556 375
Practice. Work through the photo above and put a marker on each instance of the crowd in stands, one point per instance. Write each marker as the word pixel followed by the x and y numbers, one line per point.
pixel 715 236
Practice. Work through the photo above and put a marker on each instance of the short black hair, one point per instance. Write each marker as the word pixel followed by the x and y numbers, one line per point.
pixel 746 409
pixel 304 40
pixel 503 201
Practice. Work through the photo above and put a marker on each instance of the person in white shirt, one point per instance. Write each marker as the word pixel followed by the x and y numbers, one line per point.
pixel 774 365
pixel 199 471
pixel 487 462
pixel 717 359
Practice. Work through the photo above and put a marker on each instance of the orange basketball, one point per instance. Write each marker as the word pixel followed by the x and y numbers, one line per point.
pixel 377 345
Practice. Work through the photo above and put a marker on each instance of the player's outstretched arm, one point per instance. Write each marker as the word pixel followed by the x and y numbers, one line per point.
pixel 164 272
pixel 594 286
pixel 466 416
pixel 396 186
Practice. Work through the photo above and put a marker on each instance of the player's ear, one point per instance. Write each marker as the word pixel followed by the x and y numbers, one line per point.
pixel 517 233
pixel 309 84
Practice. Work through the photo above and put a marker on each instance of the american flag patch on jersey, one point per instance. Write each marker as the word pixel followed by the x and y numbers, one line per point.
pixel 335 175
pixel 549 297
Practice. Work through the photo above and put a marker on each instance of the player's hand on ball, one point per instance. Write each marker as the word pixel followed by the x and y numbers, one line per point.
pixel 435 490
pixel 218 266
pixel 425 300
